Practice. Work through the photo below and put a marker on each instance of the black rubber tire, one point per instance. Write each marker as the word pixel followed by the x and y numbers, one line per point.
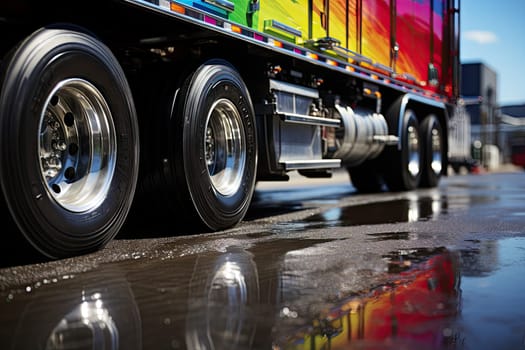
pixel 431 136
pixel 398 175
pixel 366 177
pixel 43 61
pixel 203 202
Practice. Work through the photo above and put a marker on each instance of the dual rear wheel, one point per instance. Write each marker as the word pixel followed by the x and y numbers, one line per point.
pixel 431 133
pixel 417 160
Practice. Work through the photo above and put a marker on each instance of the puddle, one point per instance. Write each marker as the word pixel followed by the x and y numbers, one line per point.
pixel 276 202
pixel 436 299
pixel 392 236
pixel 388 212
pixel 414 307
pixel 492 284
pixel 281 294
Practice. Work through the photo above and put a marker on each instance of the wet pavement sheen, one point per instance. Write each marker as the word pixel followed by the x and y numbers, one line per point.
pixel 436 269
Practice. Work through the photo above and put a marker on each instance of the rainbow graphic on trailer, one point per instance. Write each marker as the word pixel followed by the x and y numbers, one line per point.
pixel 406 38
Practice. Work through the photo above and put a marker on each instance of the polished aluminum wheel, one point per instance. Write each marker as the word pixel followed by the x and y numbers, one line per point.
pixel 413 151
pixel 77 145
pixel 225 147
pixel 436 163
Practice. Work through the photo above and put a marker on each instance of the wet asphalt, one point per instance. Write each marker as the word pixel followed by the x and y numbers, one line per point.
pixel 314 265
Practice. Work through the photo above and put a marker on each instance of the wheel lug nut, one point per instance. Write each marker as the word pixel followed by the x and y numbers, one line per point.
pixel 56 188
pixel 70 173
pixel 69 119
pixel 73 149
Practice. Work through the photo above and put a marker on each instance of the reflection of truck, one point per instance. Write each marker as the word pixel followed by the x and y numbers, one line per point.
pixel 460 146
pixel 415 310
pixel 221 94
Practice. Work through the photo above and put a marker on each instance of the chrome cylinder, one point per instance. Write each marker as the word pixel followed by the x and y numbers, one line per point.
pixel 356 140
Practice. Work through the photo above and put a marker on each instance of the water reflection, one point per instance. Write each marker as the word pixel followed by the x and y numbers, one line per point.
pixel 96 312
pixel 221 302
pixel 414 309
pixel 206 301
pixel 89 325
pixel 395 211
pixel 279 293
pixel 493 315
pixel 480 260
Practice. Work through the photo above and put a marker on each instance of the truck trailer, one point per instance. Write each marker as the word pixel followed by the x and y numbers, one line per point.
pixel 181 107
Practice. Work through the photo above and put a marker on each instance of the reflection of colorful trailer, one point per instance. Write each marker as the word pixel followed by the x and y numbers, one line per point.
pixel 221 94
pixel 415 311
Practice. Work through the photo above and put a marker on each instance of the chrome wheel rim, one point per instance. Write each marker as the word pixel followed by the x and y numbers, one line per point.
pixel 436 161
pixel 77 145
pixel 413 151
pixel 224 146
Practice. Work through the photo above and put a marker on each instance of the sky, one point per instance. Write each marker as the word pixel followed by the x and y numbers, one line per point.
pixel 493 32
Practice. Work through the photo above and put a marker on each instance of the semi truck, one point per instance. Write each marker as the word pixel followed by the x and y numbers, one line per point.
pixel 182 106
pixel 461 149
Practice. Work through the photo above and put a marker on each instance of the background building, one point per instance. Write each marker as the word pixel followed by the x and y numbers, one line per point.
pixel 480 83
pixel 512 134
pixel 495 131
